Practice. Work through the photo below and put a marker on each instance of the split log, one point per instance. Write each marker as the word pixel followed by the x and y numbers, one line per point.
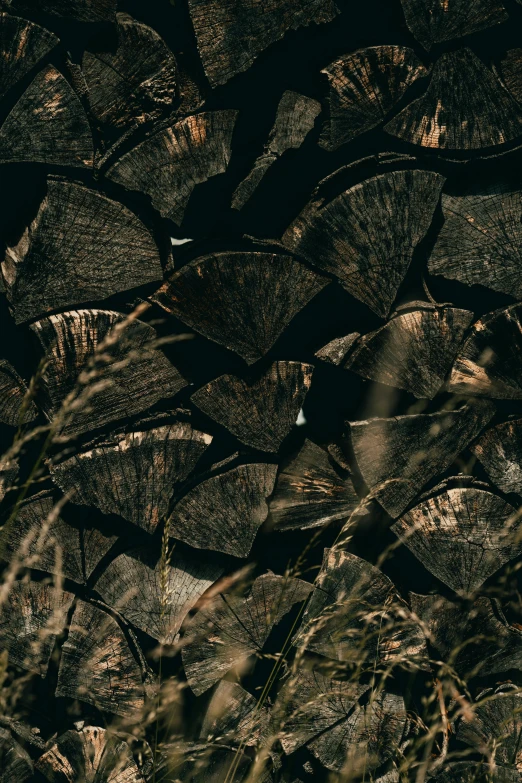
pixel 32 615
pixel 499 450
pixel 231 629
pixel 364 87
pixel 262 411
pixel 213 295
pixel 234 717
pixel 156 594
pixel 90 755
pixel 355 616
pixel 40 538
pixel 203 763
pixel 15 763
pixel 474 772
pixel 414 350
pixel 479 243
pixel 462 536
pixel 135 83
pixel 100 367
pixel 47 125
pixel 169 164
pixel 464 108
pixel 495 726
pixel 295 118
pixel 8 474
pixel 310 492
pixel 101 248
pixel 225 512
pixel 337 350
pixel 437 20
pixel 489 363
pixel 135 474
pixel 471 639
pixel 97 665
pixel 511 71
pixel 22 45
pixel 219 25
pixel 16 407
pixel 328 718
pixel 398 456
pixel 366 236
pixel 79 10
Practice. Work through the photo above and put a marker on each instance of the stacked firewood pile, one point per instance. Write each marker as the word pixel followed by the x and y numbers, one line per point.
pixel 260 386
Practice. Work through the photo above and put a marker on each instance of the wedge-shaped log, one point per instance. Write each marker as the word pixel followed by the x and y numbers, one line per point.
pixel 233 716
pixel 494 727
pixel 39 537
pixel 364 86
pixel 414 350
pixel 499 450
pixel 153 594
pixel 31 617
pixel 398 456
pixel 462 535
pixel 80 247
pixel 225 512
pixel 80 10
pixel 295 118
pixel 435 21
pixel 22 45
pixel 337 350
pixel 215 296
pixel 219 25
pixel 15 763
pixel 310 492
pixel 464 108
pixel 231 628
pixel 489 363
pixel 97 665
pixel 366 236
pixel 16 407
pixel 91 755
pixel 260 413
pixel 136 82
pixel 169 164
pixel 479 243
pixel 122 371
pixel 133 474
pixel 355 615
pixel 328 717
pixel 47 125
pixel 471 639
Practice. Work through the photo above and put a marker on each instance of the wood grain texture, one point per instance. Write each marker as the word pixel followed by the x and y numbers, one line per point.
pixel 260 413
pixel 155 597
pixel 8 474
pixel 398 456
pixel 310 492
pixel 462 536
pixel 511 72
pixel 493 728
pixel 489 363
pixel 23 45
pixel 499 450
pixel 15 763
pixel 233 716
pixel 414 350
pixel 47 125
pixel 81 246
pixel 213 295
pixel 363 88
pixel 230 34
pixel 464 108
pixel 78 10
pixel 96 356
pixel 135 474
pixel 230 629
pixel 480 240
pixel 366 236
pixel 16 407
pixel 225 512
pixel 435 21
pixel 97 665
pixel 170 163
pixel 475 772
pixel 336 351
pixel 136 82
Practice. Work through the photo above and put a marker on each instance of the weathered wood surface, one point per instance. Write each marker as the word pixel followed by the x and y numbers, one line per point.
pixel 16 405
pixel 336 351
pixel 435 21
pixel 499 450
pixel 22 45
pixel 15 763
pixel 78 10
pixel 367 235
pixel 233 716
pixel 101 248
pixel 494 726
